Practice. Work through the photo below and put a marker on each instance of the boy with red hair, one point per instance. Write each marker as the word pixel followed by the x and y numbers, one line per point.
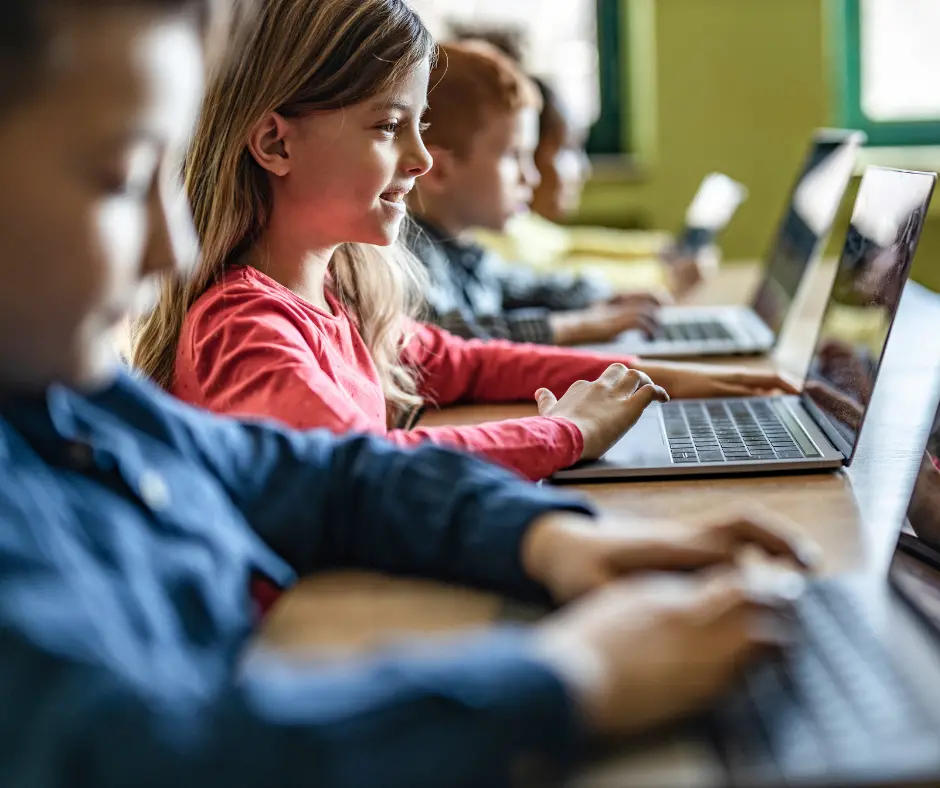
pixel 483 131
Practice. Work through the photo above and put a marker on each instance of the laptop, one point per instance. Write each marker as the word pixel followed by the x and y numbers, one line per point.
pixel 856 700
pixel 715 202
pixel 819 428
pixel 689 331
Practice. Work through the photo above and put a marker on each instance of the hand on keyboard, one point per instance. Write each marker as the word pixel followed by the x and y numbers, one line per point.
pixel 641 653
pixel 647 298
pixel 602 323
pixel 572 556
pixel 700 381
pixel 605 409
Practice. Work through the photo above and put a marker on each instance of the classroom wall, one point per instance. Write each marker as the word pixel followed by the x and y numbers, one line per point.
pixel 739 85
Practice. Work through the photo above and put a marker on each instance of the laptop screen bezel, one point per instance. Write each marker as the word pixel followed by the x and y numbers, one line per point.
pixel 820 136
pixel 817 414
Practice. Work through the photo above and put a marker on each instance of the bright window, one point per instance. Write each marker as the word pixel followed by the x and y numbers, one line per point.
pixel 889 63
pixel 559 44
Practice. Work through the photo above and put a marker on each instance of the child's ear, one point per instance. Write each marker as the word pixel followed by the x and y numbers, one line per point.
pixel 268 145
pixel 442 172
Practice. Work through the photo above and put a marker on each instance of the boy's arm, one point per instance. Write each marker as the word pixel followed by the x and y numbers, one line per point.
pixel 324 502
pixel 78 712
pixel 524 289
pixel 517 325
pixel 448 308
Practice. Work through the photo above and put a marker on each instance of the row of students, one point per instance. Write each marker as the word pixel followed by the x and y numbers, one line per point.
pixel 303 306
pixel 132 525
pixel 483 131
pixel 542 238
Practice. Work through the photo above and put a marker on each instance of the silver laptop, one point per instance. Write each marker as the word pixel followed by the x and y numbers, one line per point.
pixel 856 699
pixel 688 331
pixel 819 428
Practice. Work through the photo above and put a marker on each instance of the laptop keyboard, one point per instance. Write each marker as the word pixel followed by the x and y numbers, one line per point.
pixel 695 331
pixel 729 431
pixel 834 702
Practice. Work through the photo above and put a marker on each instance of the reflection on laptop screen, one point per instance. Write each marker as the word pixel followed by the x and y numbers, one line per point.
pixel 814 202
pixel 923 511
pixel 873 268
pixel 919 580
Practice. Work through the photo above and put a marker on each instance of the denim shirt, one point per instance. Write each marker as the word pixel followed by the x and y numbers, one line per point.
pixel 130 528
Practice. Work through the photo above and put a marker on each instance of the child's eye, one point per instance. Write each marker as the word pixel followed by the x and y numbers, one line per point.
pixel 423 126
pixel 390 128
pixel 120 185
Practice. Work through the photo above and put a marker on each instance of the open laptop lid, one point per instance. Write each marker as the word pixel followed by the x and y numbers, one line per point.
pixel 804 230
pixel 711 210
pixel 873 267
pixel 915 566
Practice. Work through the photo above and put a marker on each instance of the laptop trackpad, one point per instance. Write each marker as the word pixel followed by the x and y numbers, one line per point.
pixel 644 446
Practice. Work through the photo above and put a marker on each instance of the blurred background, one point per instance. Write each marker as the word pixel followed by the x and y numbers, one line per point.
pixel 679 88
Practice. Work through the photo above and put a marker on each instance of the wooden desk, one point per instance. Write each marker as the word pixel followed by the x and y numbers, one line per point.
pixel 853 515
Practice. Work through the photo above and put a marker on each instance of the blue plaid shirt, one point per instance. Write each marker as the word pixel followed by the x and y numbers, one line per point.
pixel 475 295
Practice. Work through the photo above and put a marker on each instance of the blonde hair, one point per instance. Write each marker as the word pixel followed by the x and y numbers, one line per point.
pixel 294 57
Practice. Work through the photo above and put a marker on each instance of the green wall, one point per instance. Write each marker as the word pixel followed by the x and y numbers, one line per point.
pixel 729 85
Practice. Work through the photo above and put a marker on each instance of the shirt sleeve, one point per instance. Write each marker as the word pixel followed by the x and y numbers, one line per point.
pixel 261 366
pixel 517 325
pixel 449 308
pixel 525 289
pixel 87 704
pixel 322 502
pixel 467 371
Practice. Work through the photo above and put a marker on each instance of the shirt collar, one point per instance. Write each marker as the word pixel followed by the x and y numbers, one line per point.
pixel 466 253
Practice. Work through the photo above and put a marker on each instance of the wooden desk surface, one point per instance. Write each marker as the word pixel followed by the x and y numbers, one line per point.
pixel 853 515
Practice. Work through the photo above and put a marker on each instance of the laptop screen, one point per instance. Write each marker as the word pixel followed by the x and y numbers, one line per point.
pixel 915 567
pixel 715 203
pixel 814 201
pixel 873 267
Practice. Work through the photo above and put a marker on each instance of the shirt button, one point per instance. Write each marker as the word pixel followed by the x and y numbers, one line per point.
pixel 153 490
pixel 80 455
pixel 531 771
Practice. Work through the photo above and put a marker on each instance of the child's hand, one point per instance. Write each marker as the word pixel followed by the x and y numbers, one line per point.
pixel 647 651
pixel 572 556
pixel 648 298
pixel 699 381
pixel 603 410
pixel 602 323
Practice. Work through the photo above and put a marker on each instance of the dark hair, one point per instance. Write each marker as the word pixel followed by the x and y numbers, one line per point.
pixel 27 27
pixel 552 113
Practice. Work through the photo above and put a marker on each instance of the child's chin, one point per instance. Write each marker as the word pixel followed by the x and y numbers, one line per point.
pixel 385 235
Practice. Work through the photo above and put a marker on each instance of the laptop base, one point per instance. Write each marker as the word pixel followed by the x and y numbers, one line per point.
pixel 650 449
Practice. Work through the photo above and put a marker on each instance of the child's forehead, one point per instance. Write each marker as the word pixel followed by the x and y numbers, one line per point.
pixel 408 92
pixel 131 73
pixel 501 129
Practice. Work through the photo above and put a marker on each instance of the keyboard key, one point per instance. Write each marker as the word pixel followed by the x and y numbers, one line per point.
pixel 711 456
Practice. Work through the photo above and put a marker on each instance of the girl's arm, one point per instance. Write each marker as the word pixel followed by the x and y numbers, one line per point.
pixel 258 363
pixel 457 370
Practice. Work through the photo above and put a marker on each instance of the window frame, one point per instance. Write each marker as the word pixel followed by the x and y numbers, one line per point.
pixel 610 133
pixel 846 40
